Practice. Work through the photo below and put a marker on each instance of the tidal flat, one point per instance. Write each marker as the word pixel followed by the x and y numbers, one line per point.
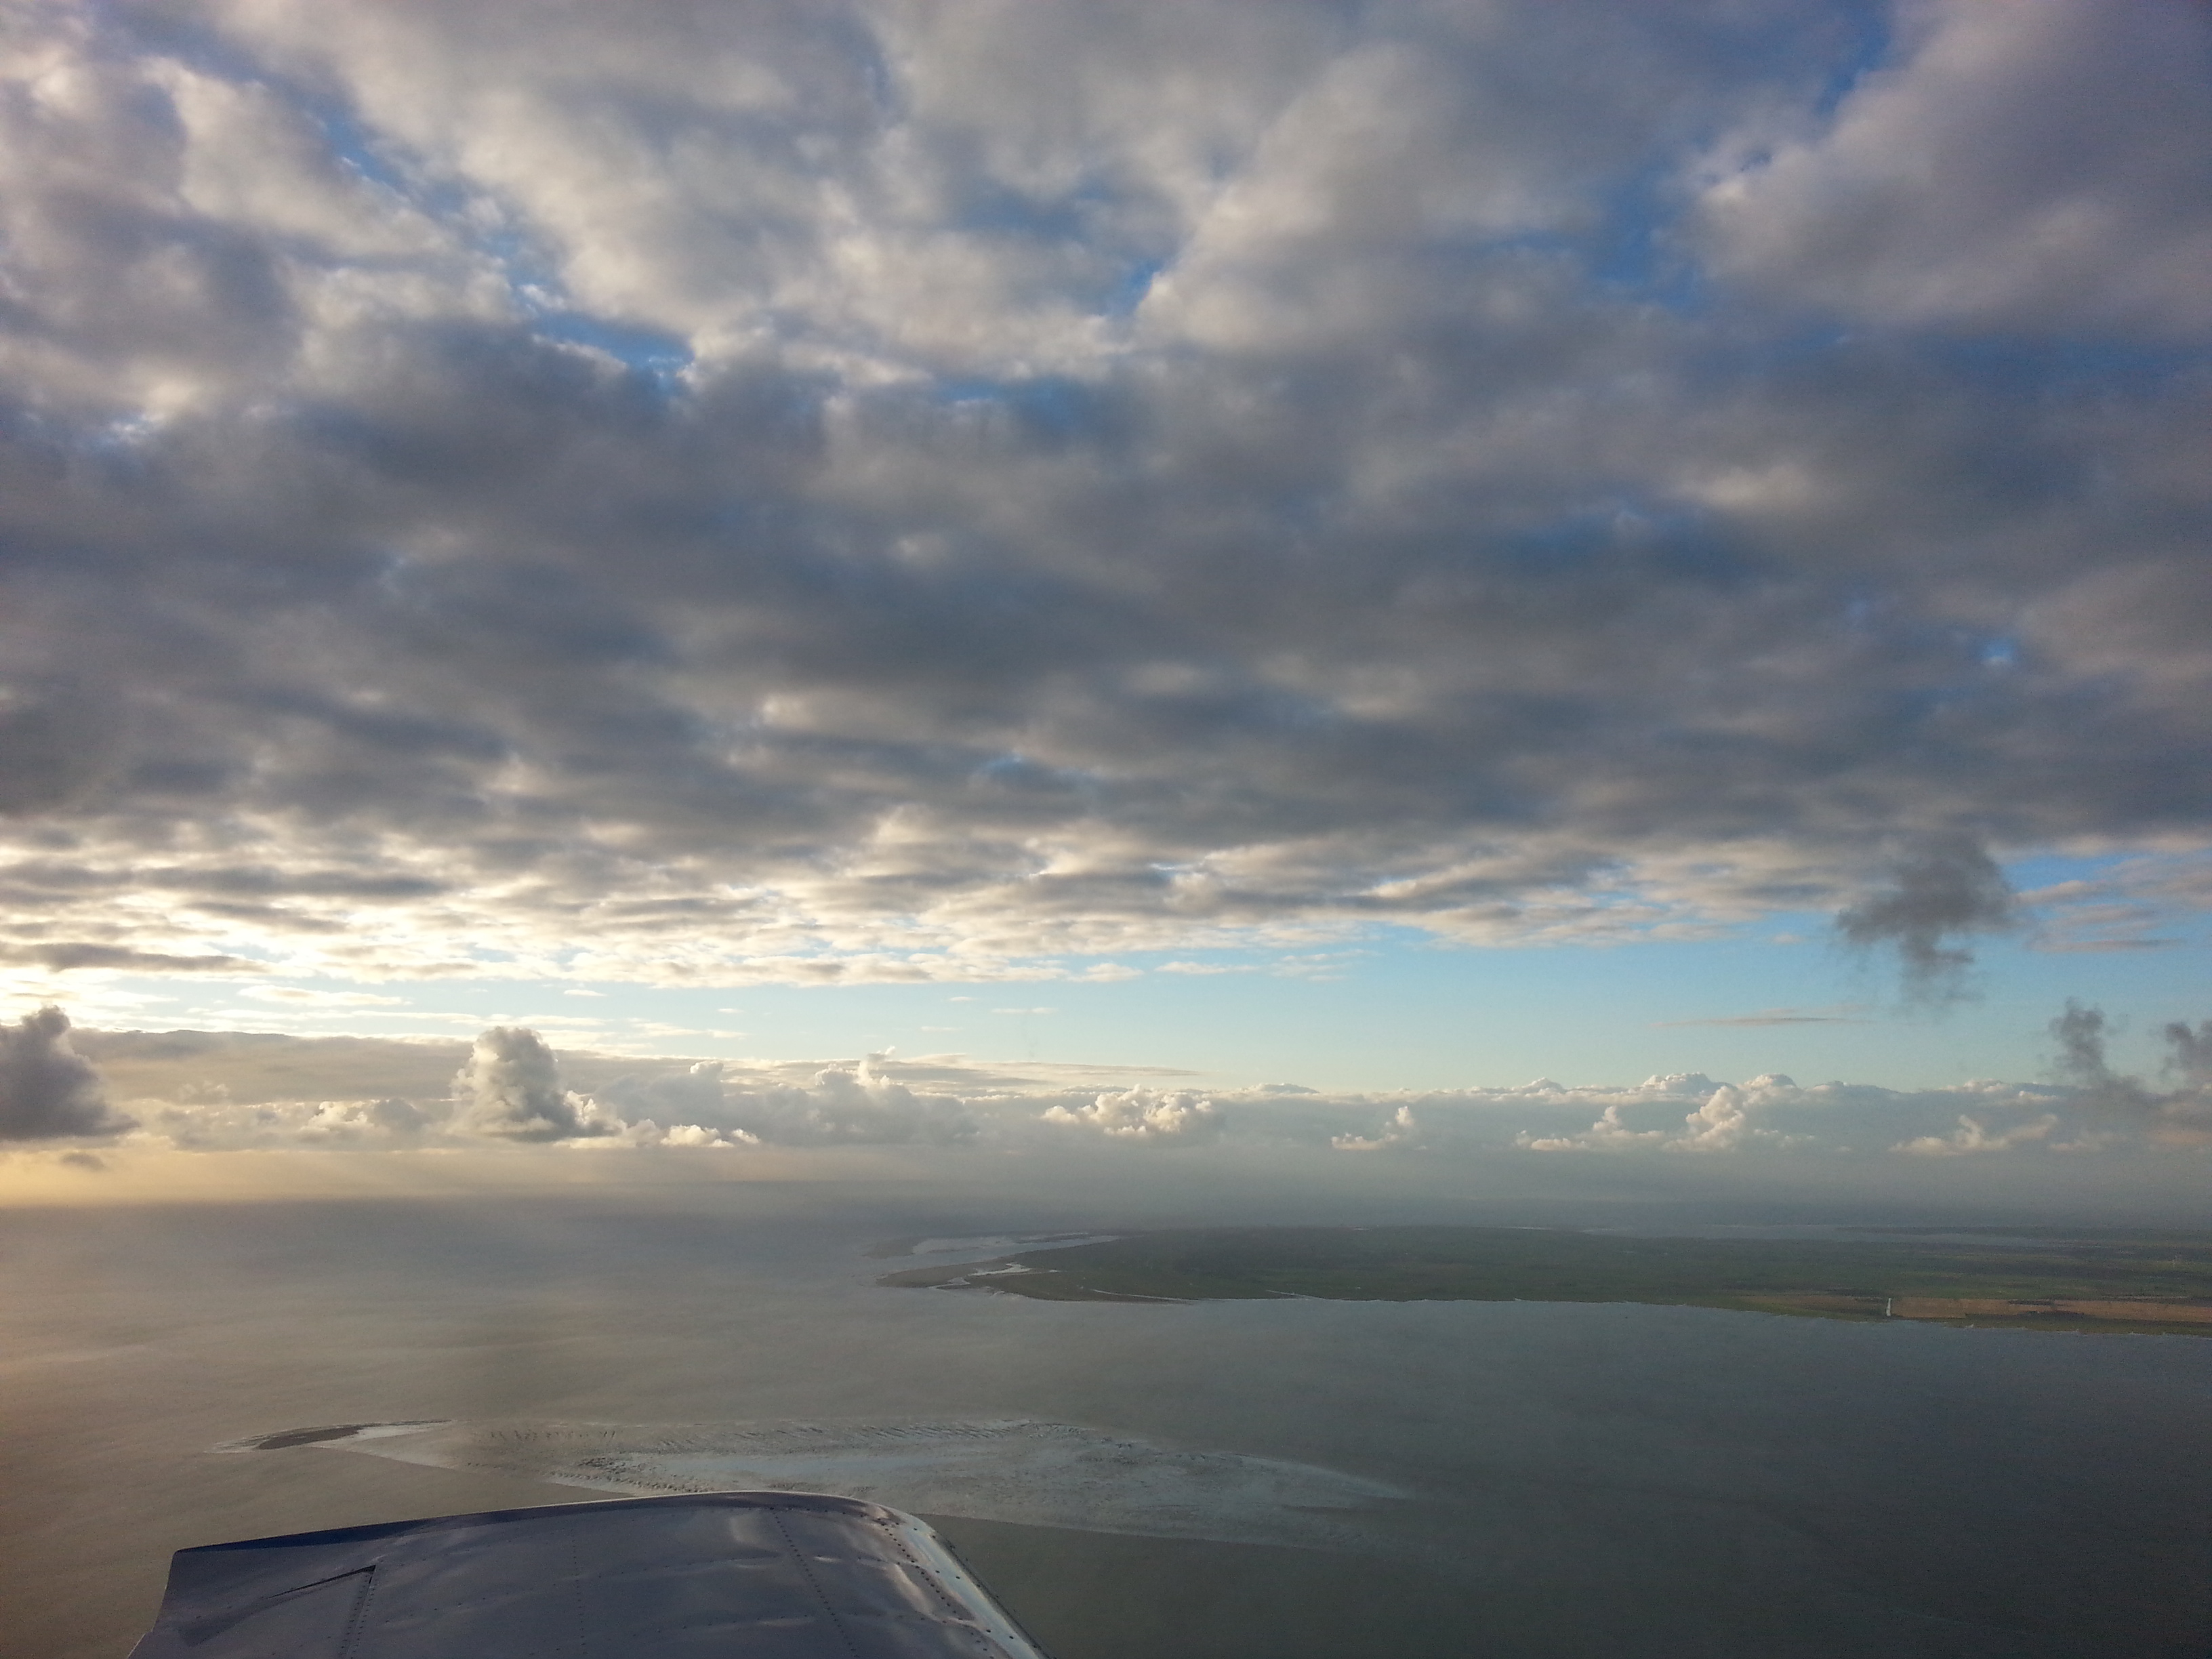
pixel 1529 1480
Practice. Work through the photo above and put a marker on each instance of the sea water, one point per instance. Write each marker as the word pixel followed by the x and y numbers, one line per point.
pixel 1514 1479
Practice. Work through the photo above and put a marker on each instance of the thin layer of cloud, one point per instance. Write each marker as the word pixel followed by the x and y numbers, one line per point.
pixel 2131 904
pixel 1769 1017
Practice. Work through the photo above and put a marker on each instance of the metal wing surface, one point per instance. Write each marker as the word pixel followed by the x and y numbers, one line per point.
pixel 758 1574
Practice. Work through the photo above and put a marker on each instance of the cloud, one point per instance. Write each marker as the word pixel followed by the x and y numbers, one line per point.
pixel 1944 888
pixel 2122 906
pixel 211 1122
pixel 2009 167
pixel 510 1090
pixel 1144 1115
pixel 1728 1119
pixel 210 1091
pixel 1609 1133
pixel 2192 1056
pixel 1769 1017
pixel 214 1123
pixel 2080 1033
pixel 214 1092
pixel 2080 1064
pixel 1724 1122
pixel 56 740
pixel 1774 1114
pixel 696 1135
pixel 115 958
pixel 48 1090
pixel 302 996
pixel 2091 1109
pixel 1398 1130
pixel 1972 1135
pixel 842 1106
pixel 860 494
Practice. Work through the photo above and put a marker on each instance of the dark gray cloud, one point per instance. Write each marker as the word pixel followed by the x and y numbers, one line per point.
pixel 1937 893
pixel 2184 1113
pixel 841 491
pixel 54 746
pixel 1985 185
pixel 2192 1056
pixel 47 1090
pixel 2079 1033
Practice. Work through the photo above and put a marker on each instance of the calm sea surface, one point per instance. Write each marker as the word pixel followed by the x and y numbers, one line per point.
pixel 1580 1480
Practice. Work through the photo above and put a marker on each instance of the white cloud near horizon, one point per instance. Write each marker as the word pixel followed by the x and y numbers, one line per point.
pixel 860 491
pixel 512 1092
pixel 1143 1114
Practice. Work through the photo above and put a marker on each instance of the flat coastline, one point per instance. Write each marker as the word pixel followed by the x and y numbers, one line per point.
pixel 2109 1282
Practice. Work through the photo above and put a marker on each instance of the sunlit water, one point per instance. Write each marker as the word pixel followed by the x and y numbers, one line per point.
pixel 1511 1480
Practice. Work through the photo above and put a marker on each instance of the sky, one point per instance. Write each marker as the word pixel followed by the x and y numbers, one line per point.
pixel 1388 550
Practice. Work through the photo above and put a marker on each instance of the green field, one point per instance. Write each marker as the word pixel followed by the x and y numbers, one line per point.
pixel 2109 1282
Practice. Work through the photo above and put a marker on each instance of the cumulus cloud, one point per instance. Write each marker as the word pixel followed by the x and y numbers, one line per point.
pixel 1973 1135
pixel 1144 1115
pixel 1774 1114
pixel 715 1103
pixel 47 1090
pixel 1609 1132
pixel 695 1135
pixel 2088 1108
pixel 1400 1130
pixel 511 1090
pixel 852 492
pixel 213 1092
pixel 1729 1118
pixel 1724 1122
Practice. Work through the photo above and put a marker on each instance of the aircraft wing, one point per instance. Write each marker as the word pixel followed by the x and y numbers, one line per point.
pixel 763 1575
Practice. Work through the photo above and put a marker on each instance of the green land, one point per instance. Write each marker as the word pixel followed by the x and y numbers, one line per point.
pixel 2099 1282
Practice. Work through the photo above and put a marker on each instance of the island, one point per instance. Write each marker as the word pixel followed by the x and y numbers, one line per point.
pixel 2114 1282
